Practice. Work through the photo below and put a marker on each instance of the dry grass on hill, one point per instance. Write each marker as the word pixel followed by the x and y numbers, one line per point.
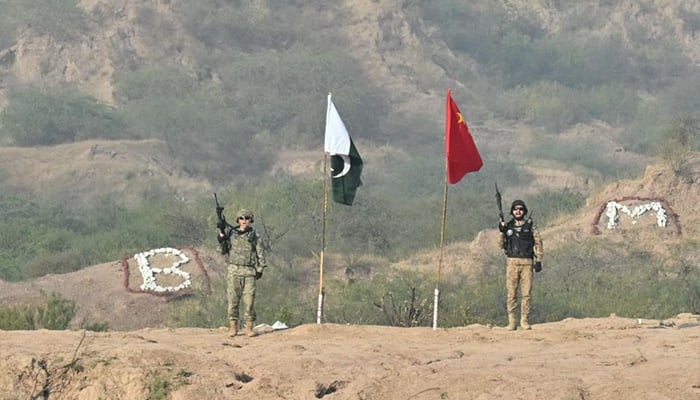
pixel 79 173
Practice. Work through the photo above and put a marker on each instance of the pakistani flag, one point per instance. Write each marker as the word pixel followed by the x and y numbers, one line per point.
pixel 346 164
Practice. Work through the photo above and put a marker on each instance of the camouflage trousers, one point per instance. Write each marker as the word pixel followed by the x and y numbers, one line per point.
pixel 519 273
pixel 240 287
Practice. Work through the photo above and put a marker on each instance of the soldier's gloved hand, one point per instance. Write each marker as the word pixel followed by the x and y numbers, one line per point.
pixel 538 266
pixel 258 275
pixel 502 226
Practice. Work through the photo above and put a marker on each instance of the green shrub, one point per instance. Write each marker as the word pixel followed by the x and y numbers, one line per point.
pixel 51 312
pixel 36 117
pixel 57 313
pixel 284 94
pixel 550 204
pixel 16 318
pixel 612 103
pixel 587 153
pixel 159 388
pixel 287 294
pixel 464 301
pixel 201 309
pixel 66 239
pixel 57 262
pixel 389 298
pixel 557 107
pixel 596 278
pixel 96 326
pixel 194 117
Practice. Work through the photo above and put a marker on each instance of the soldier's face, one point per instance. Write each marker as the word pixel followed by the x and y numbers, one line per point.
pixel 243 220
pixel 518 212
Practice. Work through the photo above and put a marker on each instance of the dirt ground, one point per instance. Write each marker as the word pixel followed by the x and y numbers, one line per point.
pixel 593 358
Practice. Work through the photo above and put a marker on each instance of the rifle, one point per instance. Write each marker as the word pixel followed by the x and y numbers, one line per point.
pixel 223 226
pixel 498 201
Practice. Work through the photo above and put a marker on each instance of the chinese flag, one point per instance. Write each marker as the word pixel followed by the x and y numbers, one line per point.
pixel 462 155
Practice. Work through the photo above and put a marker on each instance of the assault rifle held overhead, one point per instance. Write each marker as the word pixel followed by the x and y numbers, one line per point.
pixel 499 202
pixel 224 228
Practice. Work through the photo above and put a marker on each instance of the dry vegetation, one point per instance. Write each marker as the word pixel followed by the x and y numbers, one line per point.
pixel 83 172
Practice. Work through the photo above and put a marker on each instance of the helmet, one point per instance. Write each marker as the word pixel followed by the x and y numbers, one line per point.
pixel 244 213
pixel 518 203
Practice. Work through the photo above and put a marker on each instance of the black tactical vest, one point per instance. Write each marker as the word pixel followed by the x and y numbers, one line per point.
pixel 519 240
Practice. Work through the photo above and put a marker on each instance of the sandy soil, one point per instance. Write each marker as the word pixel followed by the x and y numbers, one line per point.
pixel 593 358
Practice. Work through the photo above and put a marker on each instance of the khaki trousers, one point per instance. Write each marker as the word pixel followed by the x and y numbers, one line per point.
pixel 519 273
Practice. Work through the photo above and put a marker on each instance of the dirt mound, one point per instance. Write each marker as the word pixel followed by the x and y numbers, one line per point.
pixel 110 293
pixel 601 358
pixel 678 194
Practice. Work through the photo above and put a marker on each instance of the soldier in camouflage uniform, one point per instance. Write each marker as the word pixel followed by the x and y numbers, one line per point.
pixel 523 248
pixel 245 264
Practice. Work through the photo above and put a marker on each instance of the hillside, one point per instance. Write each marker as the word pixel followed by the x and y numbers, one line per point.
pixel 658 183
pixel 82 173
pixel 405 56
pixel 103 296
pixel 409 62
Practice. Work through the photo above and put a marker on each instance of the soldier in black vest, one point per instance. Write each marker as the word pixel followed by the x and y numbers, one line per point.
pixel 523 248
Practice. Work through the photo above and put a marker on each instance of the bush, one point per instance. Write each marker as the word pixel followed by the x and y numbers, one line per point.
pixel 16 318
pixel 194 118
pixel 396 298
pixel 57 313
pixel 550 204
pixel 201 310
pixel 596 278
pixel 65 239
pixel 557 107
pixel 96 326
pixel 36 117
pixel 283 93
pixel 587 153
pixel 53 312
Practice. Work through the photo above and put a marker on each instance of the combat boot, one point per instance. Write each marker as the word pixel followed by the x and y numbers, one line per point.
pixel 524 324
pixel 233 329
pixel 511 322
pixel 249 328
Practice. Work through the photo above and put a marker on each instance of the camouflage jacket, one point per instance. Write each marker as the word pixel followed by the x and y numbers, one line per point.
pixel 246 251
